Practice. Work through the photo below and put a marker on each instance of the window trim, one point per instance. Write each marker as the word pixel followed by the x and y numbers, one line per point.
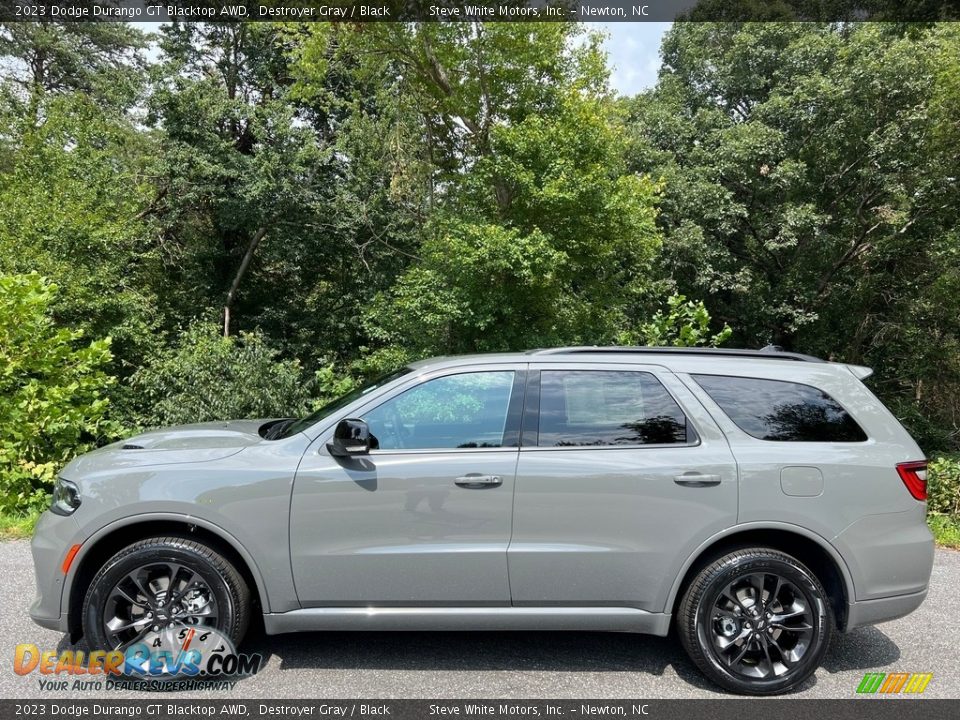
pixel 701 388
pixel 530 434
pixel 511 427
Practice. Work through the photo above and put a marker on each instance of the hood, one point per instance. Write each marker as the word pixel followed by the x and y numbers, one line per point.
pixel 207 436
pixel 182 444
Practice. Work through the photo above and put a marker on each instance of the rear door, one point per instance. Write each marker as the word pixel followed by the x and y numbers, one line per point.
pixel 621 475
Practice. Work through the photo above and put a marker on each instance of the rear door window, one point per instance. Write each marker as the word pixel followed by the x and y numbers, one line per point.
pixel 780 410
pixel 595 408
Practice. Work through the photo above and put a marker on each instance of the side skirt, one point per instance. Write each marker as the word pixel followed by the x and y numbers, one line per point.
pixel 604 619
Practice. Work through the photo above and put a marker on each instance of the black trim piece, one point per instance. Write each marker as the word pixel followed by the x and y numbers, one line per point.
pixel 511 431
pixel 530 432
pixel 694 351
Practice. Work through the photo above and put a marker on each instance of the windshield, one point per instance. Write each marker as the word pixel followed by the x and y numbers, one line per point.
pixel 314 417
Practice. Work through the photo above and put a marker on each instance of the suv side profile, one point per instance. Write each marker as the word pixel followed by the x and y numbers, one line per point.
pixel 756 501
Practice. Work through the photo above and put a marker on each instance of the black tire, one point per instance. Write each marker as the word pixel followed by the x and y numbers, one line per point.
pixel 749 648
pixel 225 587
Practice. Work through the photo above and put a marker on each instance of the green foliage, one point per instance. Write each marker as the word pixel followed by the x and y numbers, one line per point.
pixel 943 485
pixel 52 392
pixel 204 376
pixel 18 525
pixel 359 197
pixel 810 190
pixel 530 194
pixel 685 324
pixel 945 529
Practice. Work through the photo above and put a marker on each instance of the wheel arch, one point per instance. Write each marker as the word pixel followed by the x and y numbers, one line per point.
pixel 806 546
pixel 110 539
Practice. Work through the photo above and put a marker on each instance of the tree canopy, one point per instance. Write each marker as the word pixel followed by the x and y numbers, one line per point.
pixel 268 213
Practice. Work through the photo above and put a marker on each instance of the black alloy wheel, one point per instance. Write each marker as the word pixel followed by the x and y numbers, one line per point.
pixel 756 621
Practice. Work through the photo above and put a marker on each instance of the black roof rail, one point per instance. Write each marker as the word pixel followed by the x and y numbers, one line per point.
pixel 767 353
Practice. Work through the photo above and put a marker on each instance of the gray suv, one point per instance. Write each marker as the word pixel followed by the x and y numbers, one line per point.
pixel 755 501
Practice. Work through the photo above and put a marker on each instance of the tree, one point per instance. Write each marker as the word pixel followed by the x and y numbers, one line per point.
pixel 206 376
pixel 73 183
pixel 52 392
pixel 526 189
pixel 803 198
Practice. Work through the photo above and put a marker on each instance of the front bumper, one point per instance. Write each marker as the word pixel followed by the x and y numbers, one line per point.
pixel 54 535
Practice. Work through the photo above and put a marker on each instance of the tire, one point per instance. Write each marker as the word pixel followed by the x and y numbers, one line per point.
pixel 200 580
pixel 753 649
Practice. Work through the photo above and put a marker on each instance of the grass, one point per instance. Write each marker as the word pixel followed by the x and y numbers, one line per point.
pixel 17 526
pixel 945 528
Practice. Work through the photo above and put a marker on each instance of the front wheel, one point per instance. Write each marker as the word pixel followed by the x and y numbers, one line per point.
pixel 756 621
pixel 165 592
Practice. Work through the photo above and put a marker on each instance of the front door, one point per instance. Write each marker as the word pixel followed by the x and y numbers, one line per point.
pixel 425 518
pixel 617 485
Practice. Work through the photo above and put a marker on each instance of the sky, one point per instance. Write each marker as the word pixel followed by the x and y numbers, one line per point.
pixel 634 53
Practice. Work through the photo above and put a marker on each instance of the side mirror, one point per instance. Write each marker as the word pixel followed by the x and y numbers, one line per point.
pixel 351 437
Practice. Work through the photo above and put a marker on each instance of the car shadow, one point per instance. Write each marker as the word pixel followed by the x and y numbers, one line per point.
pixel 573 652
pixel 865 648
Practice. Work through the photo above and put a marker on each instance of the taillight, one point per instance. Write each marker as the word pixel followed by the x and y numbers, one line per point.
pixel 914 476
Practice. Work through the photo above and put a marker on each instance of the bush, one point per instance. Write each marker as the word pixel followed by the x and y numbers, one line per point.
pixel 685 324
pixel 943 485
pixel 52 403
pixel 206 376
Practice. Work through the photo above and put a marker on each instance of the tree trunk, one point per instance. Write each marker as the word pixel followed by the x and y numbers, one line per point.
pixel 241 271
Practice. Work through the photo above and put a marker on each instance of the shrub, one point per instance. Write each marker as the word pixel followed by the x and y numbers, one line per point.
pixel 943 485
pixel 206 376
pixel 52 402
pixel 685 324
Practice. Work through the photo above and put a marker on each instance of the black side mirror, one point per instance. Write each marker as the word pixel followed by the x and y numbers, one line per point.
pixel 351 437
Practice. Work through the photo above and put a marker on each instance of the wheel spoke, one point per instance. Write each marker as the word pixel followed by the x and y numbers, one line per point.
pixel 144 589
pixel 127 625
pixel 756 582
pixel 776 591
pixel 131 598
pixel 786 616
pixel 766 653
pixel 737 658
pixel 791 628
pixel 732 598
pixel 178 574
pixel 783 656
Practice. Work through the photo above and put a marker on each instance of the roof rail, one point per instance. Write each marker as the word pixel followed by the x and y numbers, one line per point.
pixel 767 353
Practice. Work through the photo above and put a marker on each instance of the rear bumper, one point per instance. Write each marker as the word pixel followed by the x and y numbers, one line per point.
pixel 890 555
pixel 871 612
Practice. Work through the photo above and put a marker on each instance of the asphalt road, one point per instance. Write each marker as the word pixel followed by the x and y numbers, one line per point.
pixel 512 665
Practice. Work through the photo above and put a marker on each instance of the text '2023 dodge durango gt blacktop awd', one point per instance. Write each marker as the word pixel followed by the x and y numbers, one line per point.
pixel 754 500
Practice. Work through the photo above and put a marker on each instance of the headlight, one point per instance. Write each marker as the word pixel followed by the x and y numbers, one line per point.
pixel 66 497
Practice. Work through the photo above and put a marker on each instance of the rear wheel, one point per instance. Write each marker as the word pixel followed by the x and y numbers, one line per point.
pixel 756 621
pixel 161 590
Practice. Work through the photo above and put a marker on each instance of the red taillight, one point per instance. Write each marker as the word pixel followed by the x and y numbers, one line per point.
pixel 914 476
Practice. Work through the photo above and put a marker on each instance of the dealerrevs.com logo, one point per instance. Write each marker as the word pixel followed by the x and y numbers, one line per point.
pixel 178 655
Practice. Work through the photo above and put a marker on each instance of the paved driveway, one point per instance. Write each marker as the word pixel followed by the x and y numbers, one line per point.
pixel 514 665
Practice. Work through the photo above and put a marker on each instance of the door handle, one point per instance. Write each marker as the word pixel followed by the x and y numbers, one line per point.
pixel 696 480
pixel 476 480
